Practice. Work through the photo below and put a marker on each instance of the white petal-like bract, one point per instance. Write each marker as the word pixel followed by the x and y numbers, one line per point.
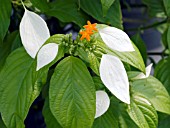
pixel 46 55
pixel 116 39
pixel 34 32
pixel 142 75
pixel 102 103
pixel 114 77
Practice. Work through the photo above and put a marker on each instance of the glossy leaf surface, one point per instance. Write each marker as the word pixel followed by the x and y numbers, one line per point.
pixel 20 85
pixel 142 112
pixel 72 94
pixel 152 89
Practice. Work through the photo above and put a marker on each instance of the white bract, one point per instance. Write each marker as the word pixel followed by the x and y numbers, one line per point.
pixel 142 75
pixel 114 77
pixel 102 103
pixel 34 32
pixel 112 71
pixel 46 54
pixel 116 39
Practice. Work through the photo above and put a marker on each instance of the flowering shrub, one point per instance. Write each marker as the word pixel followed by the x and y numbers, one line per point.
pixel 97 80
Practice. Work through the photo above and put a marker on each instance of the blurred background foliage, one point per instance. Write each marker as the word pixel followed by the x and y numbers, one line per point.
pixel 147 22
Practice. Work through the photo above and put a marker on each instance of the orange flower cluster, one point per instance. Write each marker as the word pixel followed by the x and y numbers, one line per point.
pixel 89 28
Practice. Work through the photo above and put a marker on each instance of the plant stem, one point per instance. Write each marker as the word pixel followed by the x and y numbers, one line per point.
pixel 157 54
pixel 149 26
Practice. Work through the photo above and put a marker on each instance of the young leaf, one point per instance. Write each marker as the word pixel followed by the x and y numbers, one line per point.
pixel 142 112
pixel 72 94
pixel 20 85
pixel 94 63
pixel 5 13
pixel 114 77
pixel 50 120
pixel 116 39
pixel 153 90
pixel 102 103
pixel 106 5
pixel 34 32
pixel 46 54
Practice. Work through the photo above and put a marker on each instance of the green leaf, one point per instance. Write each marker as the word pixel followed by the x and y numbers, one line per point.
pixel 108 120
pixel 40 4
pixel 142 112
pixel 20 85
pixel 57 38
pixel 10 43
pixel 16 40
pixel 167 6
pixel 152 89
pixel 82 54
pixel 72 94
pixel 140 45
pixel 132 58
pixel 165 38
pixel 120 112
pixel 16 122
pixel 2 125
pixel 5 12
pixel 94 9
pixel 106 5
pixel 98 83
pixel 168 37
pixel 94 63
pixel 50 120
pixel 66 11
pixel 132 74
pixel 155 8
pixel 162 72
pixel 164 123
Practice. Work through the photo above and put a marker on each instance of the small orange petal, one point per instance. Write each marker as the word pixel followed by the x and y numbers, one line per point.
pixel 88 38
pixel 88 22
pixel 89 28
